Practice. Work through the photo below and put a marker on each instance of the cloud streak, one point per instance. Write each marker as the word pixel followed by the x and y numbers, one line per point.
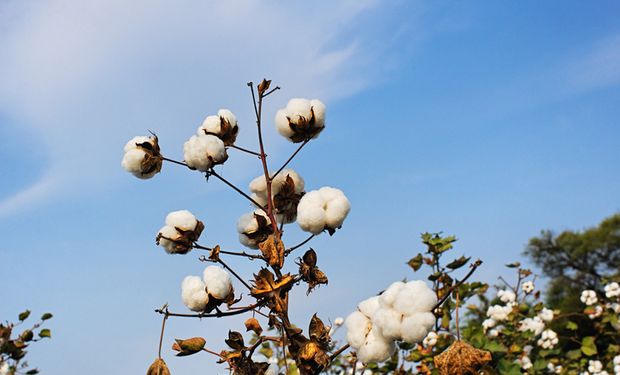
pixel 100 71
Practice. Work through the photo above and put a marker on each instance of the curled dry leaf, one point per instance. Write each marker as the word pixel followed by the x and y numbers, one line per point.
pixel 252 324
pixel 287 200
pixel 309 272
pixel 273 251
pixel 188 346
pixel 460 359
pixel 158 367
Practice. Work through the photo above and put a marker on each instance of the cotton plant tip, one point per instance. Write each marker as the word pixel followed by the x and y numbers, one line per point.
pixel 202 152
pixel 323 209
pixel 301 119
pixel 193 293
pixel 223 125
pixel 142 157
pixel 218 282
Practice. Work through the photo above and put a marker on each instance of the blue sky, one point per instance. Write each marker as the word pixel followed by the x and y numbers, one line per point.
pixel 487 120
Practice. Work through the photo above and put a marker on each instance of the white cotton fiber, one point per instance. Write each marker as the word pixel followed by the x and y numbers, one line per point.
pixel 415 296
pixel 288 118
pixel 377 348
pixel 171 233
pixel 182 219
pixel 332 202
pixel 194 294
pixel 416 326
pixel 247 225
pixel 358 325
pixel 390 321
pixel 202 152
pixel 135 155
pixel 369 306
pixel 388 297
pixel 217 281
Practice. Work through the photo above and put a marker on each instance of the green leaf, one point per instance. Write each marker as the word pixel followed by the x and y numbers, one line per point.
pixel 514 265
pixel 458 263
pixel 23 316
pixel 572 326
pixel 45 333
pixel 573 354
pixel 508 367
pixel 46 316
pixel 495 347
pixel 540 364
pixel 416 262
pixel 588 346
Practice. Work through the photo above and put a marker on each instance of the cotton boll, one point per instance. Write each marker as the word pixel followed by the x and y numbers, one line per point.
pixel 546 314
pixel 415 296
pixel 280 180
pixel 182 219
pixel 331 201
pixel 319 112
pixel 132 144
pixel 415 327
pixel 250 232
pixel 211 125
pixel 228 116
pixel 358 325
pixel 194 294
pixel 535 325
pixel 282 124
pixel 506 296
pixel 336 211
pixel 204 151
pixel 388 297
pixel 369 306
pixel 389 321
pixel 168 232
pixel 217 281
pixel 142 157
pixel 311 219
pixel 376 348
pixel 298 107
pixel 132 163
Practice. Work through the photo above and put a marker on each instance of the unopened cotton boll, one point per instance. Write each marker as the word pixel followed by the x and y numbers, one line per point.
pixel 202 152
pixel 142 157
pixel 194 294
pixel 217 282
pixel 322 209
pixel 376 347
pixel 301 120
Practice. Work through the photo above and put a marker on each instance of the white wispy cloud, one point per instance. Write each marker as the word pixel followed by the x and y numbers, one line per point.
pixel 86 73
pixel 598 68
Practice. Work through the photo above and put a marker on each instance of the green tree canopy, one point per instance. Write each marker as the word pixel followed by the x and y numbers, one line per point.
pixel 577 260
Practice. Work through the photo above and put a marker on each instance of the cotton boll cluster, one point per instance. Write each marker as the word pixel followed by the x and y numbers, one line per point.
pixel 506 296
pixel 546 314
pixel 202 295
pixel 498 312
pixel 612 290
pixel 182 229
pixel 254 228
pixel 323 209
pixel 202 152
pixel 535 325
pixel 287 188
pixel 301 120
pixel 528 287
pixel 223 125
pixel 548 339
pixel 430 340
pixel 588 297
pixel 554 369
pixel 142 157
pixel 595 367
pixel 617 364
pixel 401 312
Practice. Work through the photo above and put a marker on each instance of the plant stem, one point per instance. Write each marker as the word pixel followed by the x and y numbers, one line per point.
pixel 161 335
pixel 473 267
pixel 245 150
pixel 211 315
pixel 175 162
pixel 290 250
pixel 338 352
pixel 290 158
pixel 211 172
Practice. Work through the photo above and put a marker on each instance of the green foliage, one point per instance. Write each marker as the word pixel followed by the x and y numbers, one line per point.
pixel 13 344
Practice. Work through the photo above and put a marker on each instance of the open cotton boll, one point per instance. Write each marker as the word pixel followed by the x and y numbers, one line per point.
pixel 415 327
pixel 211 125
pixel 282 124
pixel 369 306
pixel 319 112
pixel 217 281
pixel 331 201
pixel 142 157
pixel 376 348
pixel 168 232
pixel 301 119
pixel 251 233
pixel 415 296
pixel 194 294
pixel 358 325
pixel 182 219
pixel 223 125
pixel 202 152
pixel 388 297
pixel 389 320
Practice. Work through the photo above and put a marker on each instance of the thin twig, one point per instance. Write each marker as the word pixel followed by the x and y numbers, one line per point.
pixel 220 261
pixel 251 85
pixel 290 158
pixel 245 150
pixel 175 162
pixel 473 267
pixel 211 315
pixel 271 91
pixel 291 249
pixel 227 252
pixel 211 172
pixel 163 327
pixel 338 352
pixel 212 352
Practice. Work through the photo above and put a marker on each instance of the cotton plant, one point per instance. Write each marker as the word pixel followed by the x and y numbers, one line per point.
pixel 277 197
pixel 16 339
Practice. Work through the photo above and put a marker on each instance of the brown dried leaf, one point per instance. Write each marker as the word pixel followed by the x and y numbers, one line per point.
pixel 158 367
pixel 460 359
pixel 273 251
pixel 214 255
pixel 252 324
pixel 188 346
pixel 319 333
pixel 235 340
pixel 287 199
pixel 263 86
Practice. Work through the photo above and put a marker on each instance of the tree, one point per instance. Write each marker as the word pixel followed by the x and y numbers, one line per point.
pixel 577 260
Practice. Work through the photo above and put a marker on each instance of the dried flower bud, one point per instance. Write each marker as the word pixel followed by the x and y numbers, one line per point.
pixel 158 367
pixel 252 324
pixel 188 346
